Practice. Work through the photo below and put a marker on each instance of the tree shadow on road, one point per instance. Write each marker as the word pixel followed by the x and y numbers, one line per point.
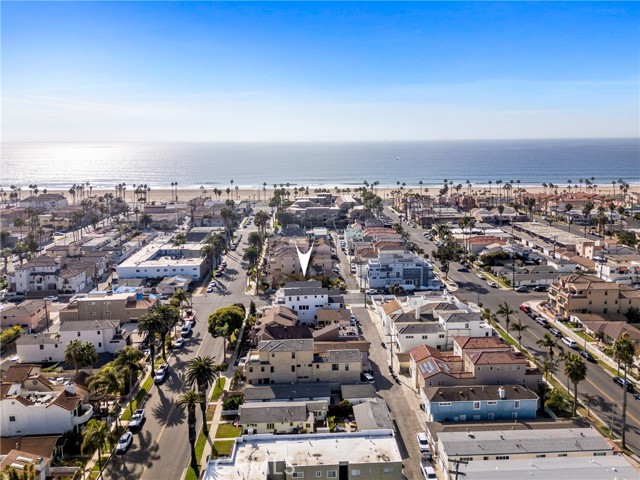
pixel 168 414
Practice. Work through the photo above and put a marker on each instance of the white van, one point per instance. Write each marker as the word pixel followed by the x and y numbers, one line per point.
pixel 427 470
pixel 570 342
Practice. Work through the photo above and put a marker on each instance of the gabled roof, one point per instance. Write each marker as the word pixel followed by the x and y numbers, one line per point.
pixel 497 358
pixel 295 332
pixel 423 352
pixel 19 373
pixel 480 342
pixel 286 345
pixel 80 325
pixel 478 392
pixel 67 400
pixel 391 306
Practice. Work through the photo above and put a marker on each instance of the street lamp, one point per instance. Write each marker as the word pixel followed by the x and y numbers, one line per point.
pixel 46 313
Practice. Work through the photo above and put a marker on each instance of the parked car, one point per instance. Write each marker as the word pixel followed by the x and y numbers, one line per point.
pixel 522 289
pixel 570 342
pixel 555 333
pixel 463 269
pixel 209 289
pixel 137 419
pixel 51 298
pixel 124 443
pixel 427 470
pixel 492 284
pixel 540 288
pixel 423 443
pixel 587 355
pixel 161 373
pixel 621 381
pixel 372 291
pixel 637 397
pixel 525 308
pixel 367 377
pixel 479 275
pixel 179 343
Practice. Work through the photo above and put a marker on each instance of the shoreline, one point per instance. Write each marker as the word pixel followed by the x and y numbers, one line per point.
pixel 257 194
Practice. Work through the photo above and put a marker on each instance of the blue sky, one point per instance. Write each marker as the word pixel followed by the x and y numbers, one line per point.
pixel 240 71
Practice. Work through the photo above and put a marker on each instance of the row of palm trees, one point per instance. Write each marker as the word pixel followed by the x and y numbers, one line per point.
pixel 575 368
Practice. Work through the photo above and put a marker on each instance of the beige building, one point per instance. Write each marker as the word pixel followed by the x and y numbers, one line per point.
pixel 574 294
pixel 474 361
pixel 29 313
pixel 293 361
pixel 283 256
pixel 125 307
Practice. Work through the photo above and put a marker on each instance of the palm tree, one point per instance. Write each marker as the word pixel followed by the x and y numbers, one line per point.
pixel 548 367
pixel 505 311
pixel 108 382
pixel 146 220
pixel 148 326
pixel 73 354
pixel 95 436
pixel 567 208
pixel 130 360
pixel 586 212
pixel 168 316
pixel 623 353
pixel 576 370
pixel 519 327
pixel 189 400
pixel 251 255
pixel 88 354
pixel 548 342
pixel 202 372
pixel 227 218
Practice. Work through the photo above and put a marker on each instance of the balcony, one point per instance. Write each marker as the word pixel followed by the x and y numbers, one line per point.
pixel 86 415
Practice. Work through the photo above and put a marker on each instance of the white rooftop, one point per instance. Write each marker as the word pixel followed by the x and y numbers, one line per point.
pixel 610 467
pixel 252 453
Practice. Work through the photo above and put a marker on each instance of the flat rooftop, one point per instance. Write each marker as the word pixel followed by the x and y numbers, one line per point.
pixel 610 467
pixel 547 232
pixel 252 453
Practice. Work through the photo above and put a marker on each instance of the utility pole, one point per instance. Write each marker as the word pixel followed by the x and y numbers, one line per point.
pixel 457 471
pixel 391 349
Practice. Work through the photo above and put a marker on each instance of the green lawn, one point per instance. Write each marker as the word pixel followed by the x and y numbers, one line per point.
pixel 200 443
pixel 584 336
pixel 227 430
pixel 126 415
pixel 218 389
pixel 222 448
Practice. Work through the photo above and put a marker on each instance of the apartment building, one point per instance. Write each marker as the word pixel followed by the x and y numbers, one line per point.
pixel 531 453
pixel 306 298
pixel 125 307
pixel 25 409
pixel 367 455
pixel 44 202
pixel 28 313
pixel 292 361
pixel 574 294
pixel 473 361
pixel 159 260
pixel 282 417
pixel 408 270
pixel 283 256
pixel 479 402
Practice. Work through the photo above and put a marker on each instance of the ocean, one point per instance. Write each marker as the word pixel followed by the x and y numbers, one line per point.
pixel 532 162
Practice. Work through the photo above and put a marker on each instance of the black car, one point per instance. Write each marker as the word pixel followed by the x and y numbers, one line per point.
pixel 555 332
pixel 463 269
pixel 621 381
pixel 587 355
pixel 540 288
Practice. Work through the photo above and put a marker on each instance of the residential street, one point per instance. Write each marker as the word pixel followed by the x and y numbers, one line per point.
pixel 161 449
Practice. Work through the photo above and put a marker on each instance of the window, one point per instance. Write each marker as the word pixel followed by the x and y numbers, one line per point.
pixel 476 405
pixel 270 426
pixel 445 404
pixel 355 472
pixel 293 355
pixel 388 470
pixel 335 366
pixel 318 473
pixel 346 367
pixel 293 368
pixel 12 418
pixel 516 404
pixel 41 347
pixel 562 454
pixel 332 474
pixel 466 459
pixel 541 455
pixel 599 454
pixel 78 333
pixel 502 457
pixel 492 402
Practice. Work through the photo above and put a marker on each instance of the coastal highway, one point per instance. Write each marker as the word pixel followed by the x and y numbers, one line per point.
pixel 605 396
pixel 160 451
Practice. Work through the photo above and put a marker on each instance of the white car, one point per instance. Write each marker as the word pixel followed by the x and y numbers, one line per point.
pixel 427 470
pixel 124 443
pixel 372 291
pixel 423 443
pixel 179 343
pixel 479 275
pixel 51 298
pixel 161 374
pixel 367 377
pixel 137 419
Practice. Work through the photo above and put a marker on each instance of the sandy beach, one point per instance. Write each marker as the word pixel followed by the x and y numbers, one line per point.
pixel 183 195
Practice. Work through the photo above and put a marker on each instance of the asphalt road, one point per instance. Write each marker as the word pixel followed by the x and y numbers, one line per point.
pixel 160 450
pixel 605 395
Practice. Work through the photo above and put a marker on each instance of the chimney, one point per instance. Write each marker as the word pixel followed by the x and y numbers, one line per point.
pixel 70 388
pixel 501 393
pixel 417 313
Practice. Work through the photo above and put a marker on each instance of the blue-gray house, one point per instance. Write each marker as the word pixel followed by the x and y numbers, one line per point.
pixel 466 403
